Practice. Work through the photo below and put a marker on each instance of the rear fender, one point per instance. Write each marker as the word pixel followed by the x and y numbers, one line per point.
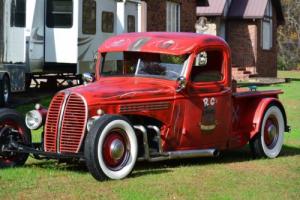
pixel 259 114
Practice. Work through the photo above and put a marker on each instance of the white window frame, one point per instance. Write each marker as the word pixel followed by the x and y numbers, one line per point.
pixel 267 28
pixel 173 16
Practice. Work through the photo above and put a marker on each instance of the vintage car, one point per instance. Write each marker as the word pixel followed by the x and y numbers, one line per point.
pixel 153 97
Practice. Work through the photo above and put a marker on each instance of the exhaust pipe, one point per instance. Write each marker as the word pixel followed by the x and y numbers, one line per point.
pixel 171 155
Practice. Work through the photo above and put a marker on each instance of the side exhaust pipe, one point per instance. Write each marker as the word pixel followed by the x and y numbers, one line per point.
pixel 171 155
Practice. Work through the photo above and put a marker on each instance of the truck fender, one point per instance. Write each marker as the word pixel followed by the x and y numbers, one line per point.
pixel 259 114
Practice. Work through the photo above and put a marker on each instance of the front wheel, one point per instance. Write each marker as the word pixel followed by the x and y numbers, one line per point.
pixel 268 143
pixel 111 148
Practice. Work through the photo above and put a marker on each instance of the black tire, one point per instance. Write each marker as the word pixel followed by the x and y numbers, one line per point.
pixel 10 119
pixel 111 132
pixel 5 91
pixel 268 142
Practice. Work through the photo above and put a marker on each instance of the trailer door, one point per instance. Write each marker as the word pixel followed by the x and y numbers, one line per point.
pixel 14 24
pixel 131 17
pixel 107 13
pixel 35 26
pixel 61 31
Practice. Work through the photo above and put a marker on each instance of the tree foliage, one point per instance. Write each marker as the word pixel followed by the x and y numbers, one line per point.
pixel 289 36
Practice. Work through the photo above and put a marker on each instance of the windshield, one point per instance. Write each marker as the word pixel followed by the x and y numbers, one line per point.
pixel 143 64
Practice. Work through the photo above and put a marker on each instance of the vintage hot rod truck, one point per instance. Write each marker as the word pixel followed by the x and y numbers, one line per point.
pixel 153 97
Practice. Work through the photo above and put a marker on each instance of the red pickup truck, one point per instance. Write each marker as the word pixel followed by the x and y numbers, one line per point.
pixel 153 97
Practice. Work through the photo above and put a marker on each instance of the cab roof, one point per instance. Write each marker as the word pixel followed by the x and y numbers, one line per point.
pixel 160 42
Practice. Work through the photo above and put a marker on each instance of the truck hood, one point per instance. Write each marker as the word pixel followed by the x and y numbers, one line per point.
pixel 133 89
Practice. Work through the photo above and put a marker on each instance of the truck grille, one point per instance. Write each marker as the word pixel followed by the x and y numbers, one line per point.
pixel 65 125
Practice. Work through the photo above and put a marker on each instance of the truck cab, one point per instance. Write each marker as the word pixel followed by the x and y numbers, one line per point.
pixel 153 97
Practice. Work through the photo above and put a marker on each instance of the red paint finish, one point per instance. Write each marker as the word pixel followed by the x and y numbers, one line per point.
pixel 206 114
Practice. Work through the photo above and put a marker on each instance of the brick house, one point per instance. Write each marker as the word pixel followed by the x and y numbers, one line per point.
pixel 249 26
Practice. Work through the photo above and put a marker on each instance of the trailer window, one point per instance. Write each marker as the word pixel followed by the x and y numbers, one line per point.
pixel 18 13
pixel 130 23
pixel 89 17
pixel 107 22
pixel 59 13
pixel 208 67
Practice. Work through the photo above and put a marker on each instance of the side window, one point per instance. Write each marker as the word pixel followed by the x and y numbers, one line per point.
pixel 89 17
pixel 18 13
pixel 208 67
pixel 59 13
pixel 267 28
pixel 107 22
pixel 130 23
pixel 173 16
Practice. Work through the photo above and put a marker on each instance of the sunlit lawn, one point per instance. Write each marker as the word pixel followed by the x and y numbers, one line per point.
pixel 232 176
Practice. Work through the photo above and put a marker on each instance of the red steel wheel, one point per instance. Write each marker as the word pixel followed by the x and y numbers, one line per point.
pixel 12 125
pixel 116 149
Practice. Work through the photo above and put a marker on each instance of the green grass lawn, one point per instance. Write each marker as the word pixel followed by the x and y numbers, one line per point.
pixel 232 176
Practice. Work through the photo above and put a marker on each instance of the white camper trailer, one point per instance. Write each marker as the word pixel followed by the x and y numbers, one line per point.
pixel 58 36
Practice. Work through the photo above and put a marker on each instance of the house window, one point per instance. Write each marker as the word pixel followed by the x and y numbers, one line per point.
pixel 130 23
pixel 59 13
pixel 89 17
pixel 173 17
pixel 267 28
pixel 18 13
pixel 107 22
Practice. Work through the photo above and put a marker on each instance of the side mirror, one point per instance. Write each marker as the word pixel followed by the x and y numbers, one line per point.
pixel 181 83
pixel 88 78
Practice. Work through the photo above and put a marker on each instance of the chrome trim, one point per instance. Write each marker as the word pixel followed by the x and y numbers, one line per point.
pixel 67 94
pixel 186 154
pixel 208 127
pixel 158 136
pixel 145 141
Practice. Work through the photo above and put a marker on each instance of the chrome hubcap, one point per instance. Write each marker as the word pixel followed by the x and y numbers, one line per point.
pixel 271 133
pixel 117 149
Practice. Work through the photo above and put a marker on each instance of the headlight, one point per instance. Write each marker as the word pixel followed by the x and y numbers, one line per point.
pixel 91 122
pixel 34 120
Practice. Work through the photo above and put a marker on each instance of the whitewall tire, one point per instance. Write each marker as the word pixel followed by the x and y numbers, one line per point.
pixel 111 148
pixel 268 143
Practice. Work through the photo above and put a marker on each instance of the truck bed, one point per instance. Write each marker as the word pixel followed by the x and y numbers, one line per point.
pixel 246 93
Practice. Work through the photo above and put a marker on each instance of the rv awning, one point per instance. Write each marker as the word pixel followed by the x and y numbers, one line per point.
pixel 211 8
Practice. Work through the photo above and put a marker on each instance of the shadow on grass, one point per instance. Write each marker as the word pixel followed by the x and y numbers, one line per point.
pixel 146 168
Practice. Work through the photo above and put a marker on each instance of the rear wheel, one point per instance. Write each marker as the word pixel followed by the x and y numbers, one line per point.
pixel 268 143
pixel 111 148
pixel 12 126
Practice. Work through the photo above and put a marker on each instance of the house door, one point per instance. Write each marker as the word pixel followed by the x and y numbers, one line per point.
pixel 208 106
